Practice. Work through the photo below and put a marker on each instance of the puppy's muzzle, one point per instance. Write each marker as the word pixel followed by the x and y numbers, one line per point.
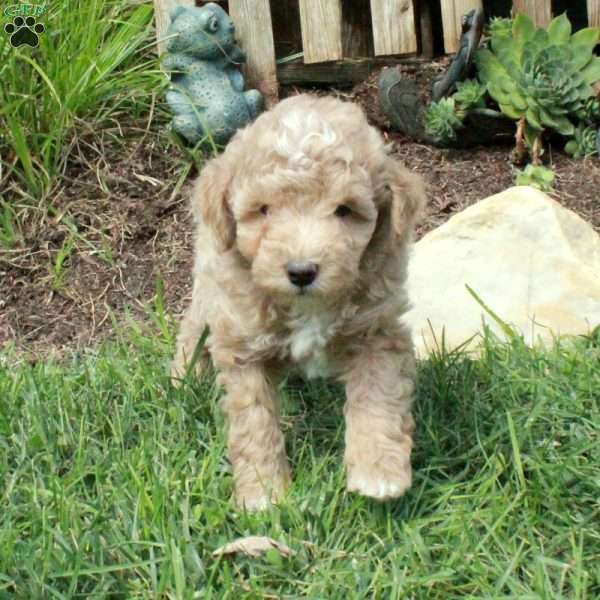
pixel 302 274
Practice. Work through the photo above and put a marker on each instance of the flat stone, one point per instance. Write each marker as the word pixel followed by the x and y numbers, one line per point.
pixel 534 263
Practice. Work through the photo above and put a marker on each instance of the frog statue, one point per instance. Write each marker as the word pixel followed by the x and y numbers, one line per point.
pixel 207 89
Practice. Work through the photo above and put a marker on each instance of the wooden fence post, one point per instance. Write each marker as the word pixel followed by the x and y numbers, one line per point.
pixel 539 10
pixel 452 14
pixel 162 10
pixel 593 9
pixel 254 29
pixel 394 30
pixel 321 23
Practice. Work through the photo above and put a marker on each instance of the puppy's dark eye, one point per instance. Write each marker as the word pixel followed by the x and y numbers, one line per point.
pixel 343 211
pixel 264 209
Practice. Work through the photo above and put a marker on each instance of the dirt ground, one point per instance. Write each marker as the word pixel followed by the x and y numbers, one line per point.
pixel 120 230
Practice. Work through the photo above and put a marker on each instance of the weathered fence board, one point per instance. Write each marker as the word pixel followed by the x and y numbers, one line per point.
pixel 539 10
pixel 452 13
pixel 593 8
pixel 425 31
pixel 342 73
pixel 357 29
pixel 162 9
pixel 254 32
pixel 394 30
pixel 321 23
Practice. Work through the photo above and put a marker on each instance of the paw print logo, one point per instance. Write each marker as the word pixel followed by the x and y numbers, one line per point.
pixel 24 31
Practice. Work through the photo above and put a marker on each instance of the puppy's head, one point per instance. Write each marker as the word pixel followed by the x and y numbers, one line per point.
pixel 303 193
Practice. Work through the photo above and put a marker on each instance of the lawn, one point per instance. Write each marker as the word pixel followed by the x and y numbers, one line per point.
pixel 116 485
pixel 113 484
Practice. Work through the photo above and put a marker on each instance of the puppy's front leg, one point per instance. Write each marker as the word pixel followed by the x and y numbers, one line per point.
pixel 379 425
pixel 255 441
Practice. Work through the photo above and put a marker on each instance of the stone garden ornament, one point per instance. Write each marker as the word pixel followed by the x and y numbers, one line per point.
pixel 207 94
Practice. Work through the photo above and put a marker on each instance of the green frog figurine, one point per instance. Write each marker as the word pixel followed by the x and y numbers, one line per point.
pixel 207 94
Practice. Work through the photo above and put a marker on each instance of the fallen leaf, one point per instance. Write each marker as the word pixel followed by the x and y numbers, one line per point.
pixel 253 546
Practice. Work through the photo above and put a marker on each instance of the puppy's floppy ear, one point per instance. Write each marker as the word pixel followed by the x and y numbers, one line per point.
pixel 408 198
pixel 210 202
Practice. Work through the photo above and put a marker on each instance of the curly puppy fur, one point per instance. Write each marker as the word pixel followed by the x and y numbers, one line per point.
pixel 308 186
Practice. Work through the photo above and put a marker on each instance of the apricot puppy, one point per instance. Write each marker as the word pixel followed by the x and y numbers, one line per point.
pixel 303 227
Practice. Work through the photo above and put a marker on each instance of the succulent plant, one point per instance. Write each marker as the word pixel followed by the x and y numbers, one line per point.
pixel 500 27
pixel 537 176
pixel 541 76
pixel 584 142
pixel 591 110
pixel 441 121
pixel 470 94
pixel 544 79
pixel 445 117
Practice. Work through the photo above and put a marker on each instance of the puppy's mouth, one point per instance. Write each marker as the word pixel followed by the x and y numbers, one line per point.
pixel 305 291
pixel 309 299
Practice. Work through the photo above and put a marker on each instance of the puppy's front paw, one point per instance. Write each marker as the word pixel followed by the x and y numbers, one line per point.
pixel 378 483
pixel 377 456
pixel 254 495
pixel 254 503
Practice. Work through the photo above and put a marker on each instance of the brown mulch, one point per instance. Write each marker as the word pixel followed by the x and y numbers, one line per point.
pixel 125 229
pixel 129 229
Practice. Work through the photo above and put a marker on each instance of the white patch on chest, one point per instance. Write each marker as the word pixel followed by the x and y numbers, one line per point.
pixel 308 339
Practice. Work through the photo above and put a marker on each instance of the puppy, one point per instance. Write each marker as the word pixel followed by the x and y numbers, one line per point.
pixel 303 227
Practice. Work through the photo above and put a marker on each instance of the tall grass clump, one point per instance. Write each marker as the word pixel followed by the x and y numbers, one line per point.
pixel 94 68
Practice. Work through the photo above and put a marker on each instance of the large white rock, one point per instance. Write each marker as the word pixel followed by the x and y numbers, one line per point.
pixel 531 261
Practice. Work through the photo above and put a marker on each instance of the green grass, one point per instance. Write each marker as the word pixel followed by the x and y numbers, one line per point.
pixel 115 485
pixel 85 99
pixel 93 70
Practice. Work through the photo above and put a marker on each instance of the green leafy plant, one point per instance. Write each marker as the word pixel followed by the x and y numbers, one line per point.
pixel 500 27
pixel 9 226
pixel 442 121
pixel 540 77
pixel 591 111
pixel 60 267
pixel 537 176
pixel 444 118
pixel 584 142
pixel 470 94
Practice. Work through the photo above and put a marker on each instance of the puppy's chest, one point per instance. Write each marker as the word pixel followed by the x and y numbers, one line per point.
pixel 308 341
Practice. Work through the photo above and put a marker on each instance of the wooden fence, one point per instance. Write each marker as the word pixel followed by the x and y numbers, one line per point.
pixel 397 27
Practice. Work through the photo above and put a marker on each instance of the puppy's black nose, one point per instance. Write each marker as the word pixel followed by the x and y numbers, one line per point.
pixel 302 274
